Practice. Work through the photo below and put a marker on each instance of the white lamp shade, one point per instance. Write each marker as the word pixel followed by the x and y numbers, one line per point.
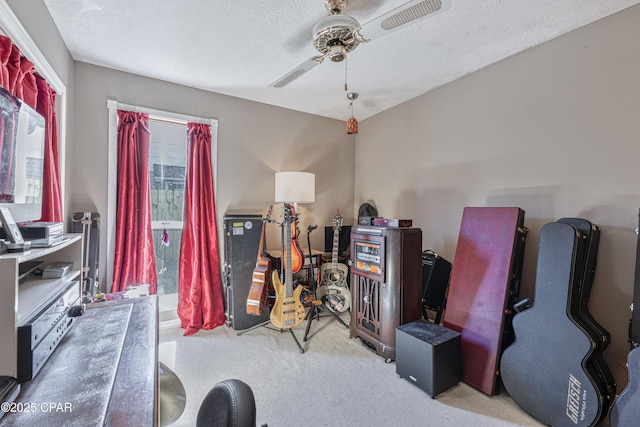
pixel 295 187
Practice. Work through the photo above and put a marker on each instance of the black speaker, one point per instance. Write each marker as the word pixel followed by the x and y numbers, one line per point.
pixel 88 223
pixel 435 282
pixel 428 355
pixel 242 235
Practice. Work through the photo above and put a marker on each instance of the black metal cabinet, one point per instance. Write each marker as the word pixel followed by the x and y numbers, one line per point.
pixel 242 234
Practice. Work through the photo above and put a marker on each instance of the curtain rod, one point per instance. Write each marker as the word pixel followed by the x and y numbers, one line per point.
pixel 160 115
pixel 167 120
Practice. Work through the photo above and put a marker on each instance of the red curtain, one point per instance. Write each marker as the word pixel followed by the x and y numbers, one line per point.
pixel 51 191
pixel 19 77
pixel 200 301
pixel 135 262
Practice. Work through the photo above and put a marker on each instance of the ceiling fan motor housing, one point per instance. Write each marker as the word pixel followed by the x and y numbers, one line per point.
pixel 334 36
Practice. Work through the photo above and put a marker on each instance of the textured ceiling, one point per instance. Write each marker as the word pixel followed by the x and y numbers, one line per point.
pixel 240 47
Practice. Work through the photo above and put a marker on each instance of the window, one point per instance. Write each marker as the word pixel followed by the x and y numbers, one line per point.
pixel 166 173
pixel 167 166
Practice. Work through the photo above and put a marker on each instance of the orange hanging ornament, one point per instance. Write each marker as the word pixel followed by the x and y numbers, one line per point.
pixel 352 123
pixel 352 126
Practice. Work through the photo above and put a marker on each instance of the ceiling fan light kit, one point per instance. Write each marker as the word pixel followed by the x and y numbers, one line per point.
pixel 338 34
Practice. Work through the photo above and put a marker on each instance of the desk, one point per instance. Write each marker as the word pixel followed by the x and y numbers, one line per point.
pixel 104 372
pixel 277 253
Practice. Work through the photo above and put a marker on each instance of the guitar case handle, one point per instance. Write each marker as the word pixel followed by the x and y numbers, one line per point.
pixel 521 306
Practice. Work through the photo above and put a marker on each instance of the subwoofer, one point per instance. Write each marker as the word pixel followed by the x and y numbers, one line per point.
pixel 428 355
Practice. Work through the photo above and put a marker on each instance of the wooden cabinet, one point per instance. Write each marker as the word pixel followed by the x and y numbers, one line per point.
pixel 20 304
pixel 386 287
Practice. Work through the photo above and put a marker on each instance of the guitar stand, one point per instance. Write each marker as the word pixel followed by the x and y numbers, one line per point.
pixel 266 325
pixel 316 305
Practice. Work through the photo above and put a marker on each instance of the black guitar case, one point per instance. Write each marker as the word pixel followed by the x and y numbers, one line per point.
pixel 587 269
pixel 546 369
pixel 626 410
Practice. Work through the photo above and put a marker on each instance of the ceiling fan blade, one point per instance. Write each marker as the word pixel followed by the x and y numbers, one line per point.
pixel 404 15
pixel 307 65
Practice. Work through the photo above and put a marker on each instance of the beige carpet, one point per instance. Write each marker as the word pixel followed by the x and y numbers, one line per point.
pixel 336 382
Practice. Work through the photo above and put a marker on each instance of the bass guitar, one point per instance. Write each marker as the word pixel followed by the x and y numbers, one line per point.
pixel 258 297
pixel 288 310
pixel 333 288
pixel 625 410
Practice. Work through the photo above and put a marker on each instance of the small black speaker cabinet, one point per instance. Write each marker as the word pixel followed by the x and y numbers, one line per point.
pixel 428 355
pixel 435 282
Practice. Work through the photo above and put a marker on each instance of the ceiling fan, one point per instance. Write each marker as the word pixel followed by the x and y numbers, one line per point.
pixel 338 34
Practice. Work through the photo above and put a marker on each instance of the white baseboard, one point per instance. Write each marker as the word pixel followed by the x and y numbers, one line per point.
pixel 169 324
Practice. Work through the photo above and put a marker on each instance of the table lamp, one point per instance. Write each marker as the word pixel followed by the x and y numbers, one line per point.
pixel 295 187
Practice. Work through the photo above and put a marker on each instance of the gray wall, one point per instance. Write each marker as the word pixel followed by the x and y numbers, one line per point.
pixel 553 130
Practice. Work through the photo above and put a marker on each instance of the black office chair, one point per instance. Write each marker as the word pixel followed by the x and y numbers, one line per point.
pixel 230 403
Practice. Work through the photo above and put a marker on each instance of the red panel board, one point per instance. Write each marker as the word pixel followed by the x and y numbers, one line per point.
pixel 486 264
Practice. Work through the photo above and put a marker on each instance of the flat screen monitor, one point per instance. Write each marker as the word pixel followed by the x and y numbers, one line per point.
pixel 343 239
pixel 22 132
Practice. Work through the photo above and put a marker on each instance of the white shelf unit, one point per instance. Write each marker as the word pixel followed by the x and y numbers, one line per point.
pixel 18 303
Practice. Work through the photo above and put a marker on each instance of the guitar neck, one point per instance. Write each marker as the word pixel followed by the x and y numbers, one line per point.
pixel 288 274
pixel 261 254
pixel 635 313
pixel 334 252
pixel 337 225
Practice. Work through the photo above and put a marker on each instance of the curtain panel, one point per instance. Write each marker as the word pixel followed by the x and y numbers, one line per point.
pixel 134 259
pixel 51 191
pixel 19 77
pixel 200 297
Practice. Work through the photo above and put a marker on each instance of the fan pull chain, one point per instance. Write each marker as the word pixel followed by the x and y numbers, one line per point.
pixel 345 74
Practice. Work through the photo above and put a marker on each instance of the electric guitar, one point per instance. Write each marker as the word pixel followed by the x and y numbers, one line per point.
pixel 258 297
pixel 333 289
pixel 625 410
pixel 296 260
pixel 288 310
